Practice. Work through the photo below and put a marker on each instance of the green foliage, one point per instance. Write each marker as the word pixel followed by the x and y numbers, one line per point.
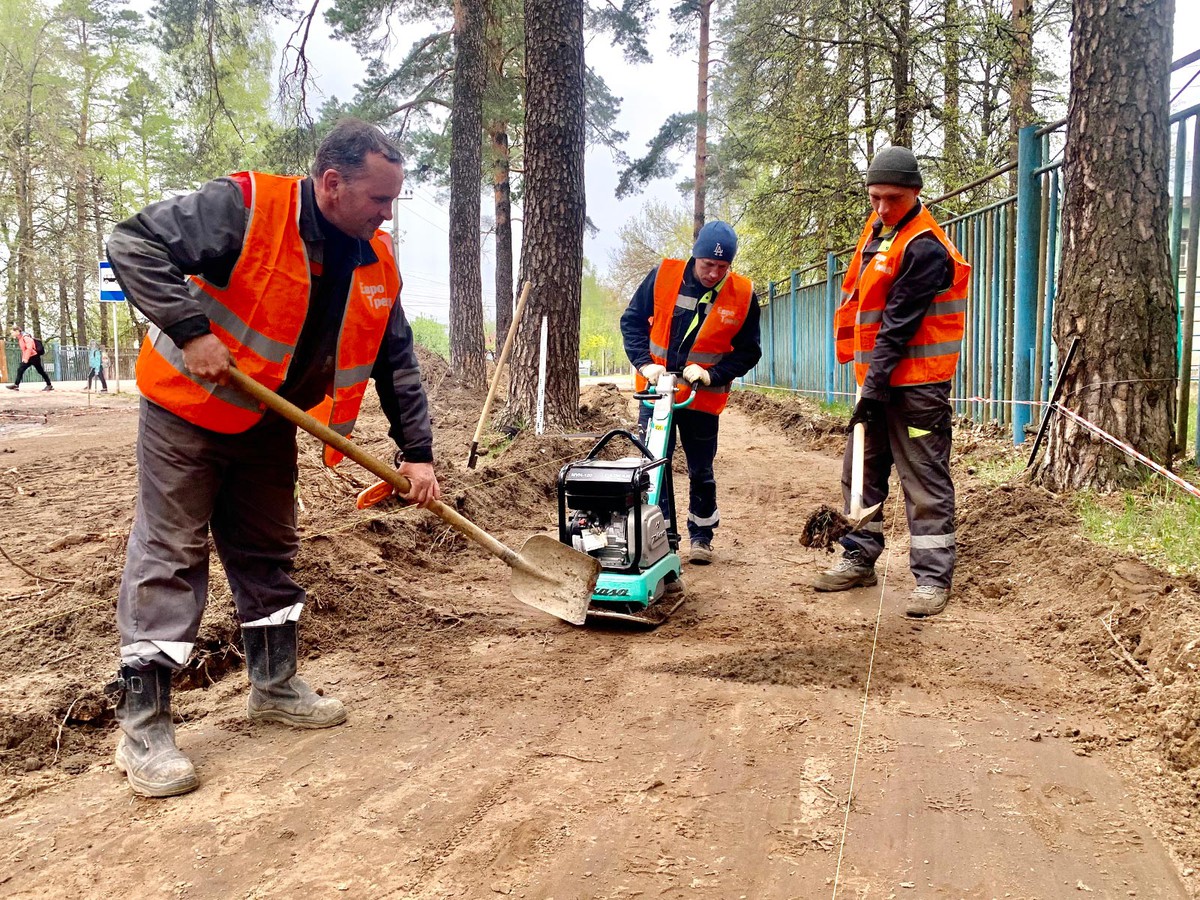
pixel 432 335
pixel 658 230
pixel 1156 523
pixel 600 325
pixel 676 134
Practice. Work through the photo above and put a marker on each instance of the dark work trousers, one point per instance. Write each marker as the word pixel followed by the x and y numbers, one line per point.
pixel 697 432
pixel 190 479
pixel 35 363
pixel 916 439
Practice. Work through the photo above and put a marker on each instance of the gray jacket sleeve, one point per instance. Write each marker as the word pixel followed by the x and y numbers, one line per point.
pixel 402 397
pixel 196 234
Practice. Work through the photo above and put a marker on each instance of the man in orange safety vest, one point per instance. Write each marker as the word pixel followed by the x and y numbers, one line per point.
pixel 290 279
pixel 901 323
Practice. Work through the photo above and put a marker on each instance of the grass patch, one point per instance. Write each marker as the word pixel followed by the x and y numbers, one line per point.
pixel 1157 523
pixel 995 469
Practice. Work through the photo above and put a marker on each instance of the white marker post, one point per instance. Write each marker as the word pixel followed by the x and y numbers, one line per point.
pixel 110 292
pixel 540 422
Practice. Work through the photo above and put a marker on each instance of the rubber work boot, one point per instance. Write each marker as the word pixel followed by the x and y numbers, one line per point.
pixel 276 694
pixel 851 571
pixel 702 553
pixel 927 600
pixel 146 752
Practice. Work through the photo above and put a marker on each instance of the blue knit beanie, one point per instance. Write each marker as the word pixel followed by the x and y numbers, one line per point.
pixel 716 240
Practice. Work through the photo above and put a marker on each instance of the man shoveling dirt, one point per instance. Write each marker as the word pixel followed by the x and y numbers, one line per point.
pixel 902 324
pixel 291 280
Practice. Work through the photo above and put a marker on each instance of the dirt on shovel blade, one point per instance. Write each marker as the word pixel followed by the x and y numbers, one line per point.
pixel 823 528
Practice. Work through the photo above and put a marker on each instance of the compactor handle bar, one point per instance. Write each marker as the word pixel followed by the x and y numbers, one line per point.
pixel 648 396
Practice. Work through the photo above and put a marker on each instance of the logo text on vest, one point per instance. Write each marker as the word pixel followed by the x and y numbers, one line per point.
pixel 375 294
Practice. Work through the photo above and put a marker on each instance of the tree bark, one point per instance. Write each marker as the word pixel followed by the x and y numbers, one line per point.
pixel 552 246
pixel 1115 292
pixel 952 87
pixel 502 194
pixel 466 162
pixel 699 202
pixel 906 103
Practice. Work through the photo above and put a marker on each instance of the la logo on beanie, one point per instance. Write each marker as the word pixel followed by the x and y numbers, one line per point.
pixel 718 252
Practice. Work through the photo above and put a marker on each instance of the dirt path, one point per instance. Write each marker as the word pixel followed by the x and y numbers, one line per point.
pixel 506 754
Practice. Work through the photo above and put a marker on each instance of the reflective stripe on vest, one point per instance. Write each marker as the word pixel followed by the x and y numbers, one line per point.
pixel 931 355
pixel 259 316
pixel 717 331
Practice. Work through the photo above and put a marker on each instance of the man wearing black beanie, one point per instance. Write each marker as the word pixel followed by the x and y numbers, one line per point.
pixel 901 322
pixel 699 319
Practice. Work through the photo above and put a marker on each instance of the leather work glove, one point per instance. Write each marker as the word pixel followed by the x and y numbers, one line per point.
pixel 694 373
pixel 653 371
pixel 868 411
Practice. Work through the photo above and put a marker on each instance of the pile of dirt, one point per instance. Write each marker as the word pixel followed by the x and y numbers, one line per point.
pixel 373 577
pixel 798 417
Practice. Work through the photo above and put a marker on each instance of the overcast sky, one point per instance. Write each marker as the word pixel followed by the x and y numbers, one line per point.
pixel 650 93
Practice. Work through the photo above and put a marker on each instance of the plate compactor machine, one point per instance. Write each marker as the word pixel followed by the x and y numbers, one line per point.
pixel 609 510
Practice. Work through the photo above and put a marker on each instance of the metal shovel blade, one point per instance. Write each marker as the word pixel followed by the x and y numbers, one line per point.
pixel 555 578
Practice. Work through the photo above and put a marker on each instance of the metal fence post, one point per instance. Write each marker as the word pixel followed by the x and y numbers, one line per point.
pixel 833 295
pixel 1029 220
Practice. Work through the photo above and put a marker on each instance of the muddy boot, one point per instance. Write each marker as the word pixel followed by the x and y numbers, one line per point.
pixel 927 600
pixel 851 571
pixel 146 752
pixel 701 553
pixel 276 694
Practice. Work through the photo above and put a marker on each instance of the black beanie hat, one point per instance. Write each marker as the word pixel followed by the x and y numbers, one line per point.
pixel 894 165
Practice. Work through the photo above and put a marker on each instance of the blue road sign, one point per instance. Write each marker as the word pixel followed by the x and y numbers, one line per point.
pixel 110 289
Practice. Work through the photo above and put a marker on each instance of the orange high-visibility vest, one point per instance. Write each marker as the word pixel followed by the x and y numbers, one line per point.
pixel 259 315
pixel 713 341
pixel 932 354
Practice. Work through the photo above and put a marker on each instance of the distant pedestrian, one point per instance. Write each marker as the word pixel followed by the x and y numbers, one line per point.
pixel 96 362
pixel 31 358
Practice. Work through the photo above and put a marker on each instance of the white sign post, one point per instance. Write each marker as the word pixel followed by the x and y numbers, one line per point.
pixel 540 422
pixel 110 292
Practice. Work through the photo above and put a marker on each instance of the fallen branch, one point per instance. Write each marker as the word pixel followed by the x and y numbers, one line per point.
pixel 1125 655
pixel 569 756
pixel 29 572
pixel 58 737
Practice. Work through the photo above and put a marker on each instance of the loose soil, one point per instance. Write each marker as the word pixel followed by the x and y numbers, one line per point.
pixel 1039 739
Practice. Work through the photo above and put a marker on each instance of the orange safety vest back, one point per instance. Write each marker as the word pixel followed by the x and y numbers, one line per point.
pixel 713 341
pixel 932 354
pixel 259 315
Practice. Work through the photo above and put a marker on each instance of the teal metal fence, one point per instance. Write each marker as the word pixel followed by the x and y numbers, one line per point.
pixel 1007 366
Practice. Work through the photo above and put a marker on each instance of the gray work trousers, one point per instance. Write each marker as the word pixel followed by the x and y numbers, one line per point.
pixel 916 438
pixel 191 480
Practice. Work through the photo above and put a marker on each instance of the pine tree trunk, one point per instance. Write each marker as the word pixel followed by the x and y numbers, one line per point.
pixel 1020 111
pixel 502 194
pixel 952 86
pixel 466 162
pixel 699 201
pixel 906 101
pixel 1115 291
pixel 552 245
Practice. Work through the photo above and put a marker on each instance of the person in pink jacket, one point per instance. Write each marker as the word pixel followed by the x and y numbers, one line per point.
pixel 31 357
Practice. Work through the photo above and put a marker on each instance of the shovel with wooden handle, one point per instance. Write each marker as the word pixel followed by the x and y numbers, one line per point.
pixel 858 516
pixel 546 574
pixel 473 455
